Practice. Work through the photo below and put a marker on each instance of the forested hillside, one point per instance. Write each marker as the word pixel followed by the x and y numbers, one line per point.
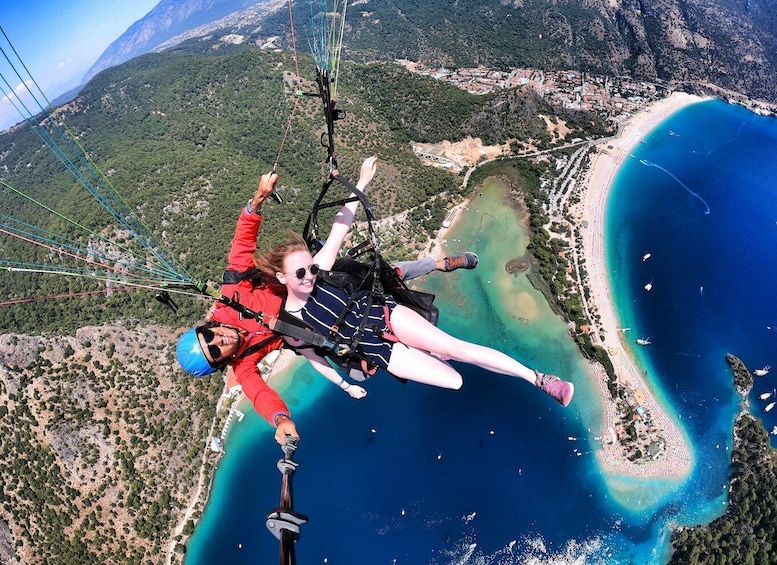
pixel 731 44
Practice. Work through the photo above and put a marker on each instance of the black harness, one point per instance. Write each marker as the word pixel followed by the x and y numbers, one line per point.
pixel 354 277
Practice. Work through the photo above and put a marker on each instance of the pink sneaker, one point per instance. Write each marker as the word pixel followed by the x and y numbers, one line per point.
pixel 561 391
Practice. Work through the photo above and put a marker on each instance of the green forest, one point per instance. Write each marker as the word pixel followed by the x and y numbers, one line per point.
pixel 747 533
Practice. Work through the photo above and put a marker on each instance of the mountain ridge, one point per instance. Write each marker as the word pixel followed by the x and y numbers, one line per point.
pixel 730 44
pixel 173 21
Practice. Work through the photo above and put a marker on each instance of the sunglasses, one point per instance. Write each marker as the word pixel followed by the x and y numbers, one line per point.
pixel 213 350
pixel 300 273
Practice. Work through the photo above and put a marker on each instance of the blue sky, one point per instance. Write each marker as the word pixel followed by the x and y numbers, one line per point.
pixel 59 40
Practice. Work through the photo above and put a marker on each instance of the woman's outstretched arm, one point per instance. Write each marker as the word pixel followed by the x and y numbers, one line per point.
pixel 326 257
pixel 320 364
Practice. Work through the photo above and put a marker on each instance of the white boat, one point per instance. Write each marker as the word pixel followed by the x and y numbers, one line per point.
pixel 764 395
pixel 646 256
pixel 762 371
pixel 774 431
pixel 769 406
pixel 643 341
pixel 649 286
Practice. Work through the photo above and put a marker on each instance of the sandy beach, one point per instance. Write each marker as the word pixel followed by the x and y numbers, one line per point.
pixel 676 461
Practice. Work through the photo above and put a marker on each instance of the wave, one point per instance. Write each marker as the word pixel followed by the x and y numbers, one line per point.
pixel 681 183
pixel 528 551
pixel 731 140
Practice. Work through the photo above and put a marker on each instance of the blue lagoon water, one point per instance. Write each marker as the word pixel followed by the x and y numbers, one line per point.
pixel 497 473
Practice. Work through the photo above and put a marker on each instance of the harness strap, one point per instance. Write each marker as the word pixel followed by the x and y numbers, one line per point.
pixel 256 347
pixel 368 368
pixel 389 333
pixel 232 276
pixel 310 231
pixel 287 325
pixel 314 338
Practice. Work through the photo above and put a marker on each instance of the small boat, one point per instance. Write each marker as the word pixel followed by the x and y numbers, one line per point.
pixel 764 395
pixel 762 371
pixel 649 286
pixel 643 341
pixel 646 256
pixel 769 406
pixel 774 431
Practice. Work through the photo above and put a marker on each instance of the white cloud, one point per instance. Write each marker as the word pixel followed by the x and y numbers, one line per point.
pixel 22 86
pixel 12 103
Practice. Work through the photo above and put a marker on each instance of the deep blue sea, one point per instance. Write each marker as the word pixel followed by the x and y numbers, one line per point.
pixel 497 473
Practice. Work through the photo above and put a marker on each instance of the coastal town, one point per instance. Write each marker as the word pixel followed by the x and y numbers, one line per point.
pixel 575 90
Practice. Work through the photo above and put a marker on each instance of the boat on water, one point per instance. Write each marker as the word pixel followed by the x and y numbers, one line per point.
pixel 769 406
pixel 649 286
pixel 764 395
pixel 774 431
pixel 762 371
pixel 646 256
pixel 643 341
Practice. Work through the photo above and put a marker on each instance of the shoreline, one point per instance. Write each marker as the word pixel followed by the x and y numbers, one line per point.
pixel 677 460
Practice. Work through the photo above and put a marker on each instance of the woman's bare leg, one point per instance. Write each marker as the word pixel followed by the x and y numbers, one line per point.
pixel 419 366
pixel 416 332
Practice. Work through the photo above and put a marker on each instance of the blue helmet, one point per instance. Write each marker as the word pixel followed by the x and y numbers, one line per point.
pixel 191 357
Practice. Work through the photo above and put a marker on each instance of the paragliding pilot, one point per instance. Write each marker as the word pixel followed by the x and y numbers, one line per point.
pixel 228 338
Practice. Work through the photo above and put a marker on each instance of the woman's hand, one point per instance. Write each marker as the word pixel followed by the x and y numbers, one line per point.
pixel 367 172
pixel 355 391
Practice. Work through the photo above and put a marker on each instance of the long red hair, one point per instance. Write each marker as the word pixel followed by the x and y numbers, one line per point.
pixel 271 262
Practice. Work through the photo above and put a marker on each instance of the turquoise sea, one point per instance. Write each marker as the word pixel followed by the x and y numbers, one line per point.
pixel 497 473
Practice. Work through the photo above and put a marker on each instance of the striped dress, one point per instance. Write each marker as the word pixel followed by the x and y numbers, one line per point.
pixel 325 305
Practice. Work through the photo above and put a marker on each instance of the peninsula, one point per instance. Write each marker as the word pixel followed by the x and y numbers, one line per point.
pixel 672 456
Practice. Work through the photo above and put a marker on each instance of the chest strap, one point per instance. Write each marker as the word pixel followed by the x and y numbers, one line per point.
pixel 288 325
